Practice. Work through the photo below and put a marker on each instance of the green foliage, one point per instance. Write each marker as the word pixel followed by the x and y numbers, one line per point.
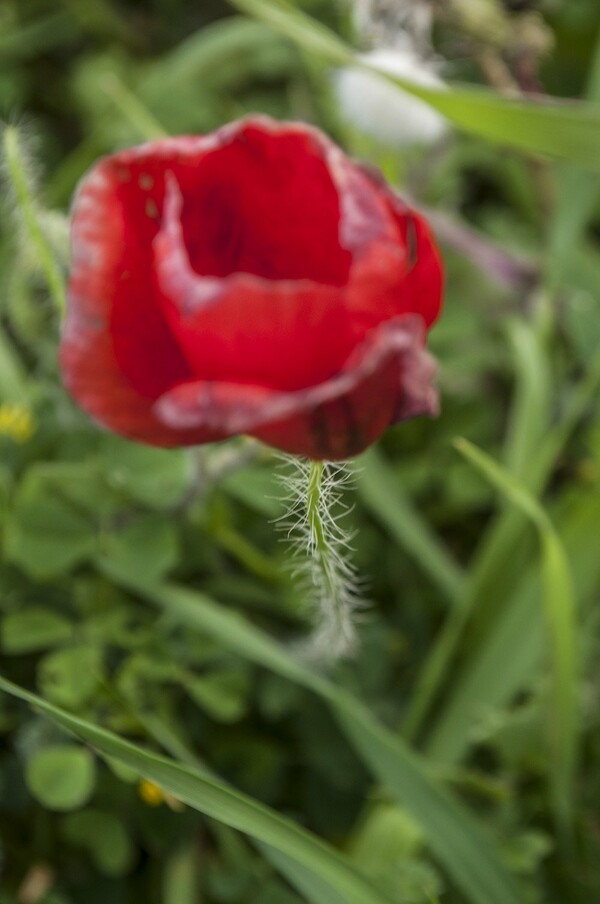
pixel 145 601
pixel 61 777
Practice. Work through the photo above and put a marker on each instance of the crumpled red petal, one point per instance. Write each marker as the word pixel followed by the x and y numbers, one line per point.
pixel 285 333
pixel 387 379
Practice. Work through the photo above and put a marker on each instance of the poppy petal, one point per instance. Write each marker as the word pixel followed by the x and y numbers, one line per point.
pixel 387 379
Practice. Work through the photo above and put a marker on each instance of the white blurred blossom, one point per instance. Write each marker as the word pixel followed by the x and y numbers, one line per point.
pixel 378 108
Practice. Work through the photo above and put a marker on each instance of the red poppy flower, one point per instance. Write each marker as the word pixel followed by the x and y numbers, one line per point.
pixel 253 281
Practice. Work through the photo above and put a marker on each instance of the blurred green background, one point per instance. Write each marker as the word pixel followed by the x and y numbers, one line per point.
pixel 456 647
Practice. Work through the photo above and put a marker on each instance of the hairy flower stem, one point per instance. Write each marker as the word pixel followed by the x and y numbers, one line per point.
pixel 17 172
pixel 313 500
pixel 321 564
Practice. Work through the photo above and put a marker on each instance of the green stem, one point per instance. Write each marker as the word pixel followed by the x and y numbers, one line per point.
pixel 28 210
pixel 331 575
pixel 313 503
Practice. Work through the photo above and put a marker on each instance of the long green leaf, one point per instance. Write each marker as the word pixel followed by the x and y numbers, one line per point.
pixel 565 130
pixel 458 841
pixel 508 656
pixel 577 199
pixel 318 867
pixel 510 631
pixel 561 619
pixel 531 407
pixel 528 425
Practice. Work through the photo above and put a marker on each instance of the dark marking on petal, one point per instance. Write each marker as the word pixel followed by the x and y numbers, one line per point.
pixel 411 242
pixel 151 209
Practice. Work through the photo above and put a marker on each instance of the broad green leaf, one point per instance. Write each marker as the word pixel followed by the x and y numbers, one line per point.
pixel 158 478
pixel 71 676
pixel 455 837
pixel 566 130
pixel 61 776
pixel 148 546
pixel 559 600
pixel 33 628
pixel 46 533
pixel 332 879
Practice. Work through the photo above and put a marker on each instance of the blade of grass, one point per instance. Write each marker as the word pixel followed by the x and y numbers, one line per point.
pixel 455 837
pixel 565 130
pixel 577 199
pixel 531 406
pixel 493 581
pixel 508 656
pixel 561 620
pixel 164 734
pixel 528 424
pixel 318 867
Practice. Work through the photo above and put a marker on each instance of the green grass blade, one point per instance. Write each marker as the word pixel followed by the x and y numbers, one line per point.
pixel 300 28
pixel 496 588
pixel 454 836
pixel 531 406
pixel 560 610
pixel 508 656
pixel 528 425
pixel 565 130
pixel 577 200
pixel 459 842
pixel 381 493
pixel 318 867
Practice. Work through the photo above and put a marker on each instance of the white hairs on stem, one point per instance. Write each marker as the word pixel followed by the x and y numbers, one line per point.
pixel 321 549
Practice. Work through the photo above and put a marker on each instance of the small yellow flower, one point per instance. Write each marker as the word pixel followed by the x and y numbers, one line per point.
pixel 154 796
pixel 16 422
pixel 150 793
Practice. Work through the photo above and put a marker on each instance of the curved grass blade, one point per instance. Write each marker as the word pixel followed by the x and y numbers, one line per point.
pixel 528 425
pixel 513 631
pixel 457 840
pixel 566 130
pixel 560 608
pixel 317 867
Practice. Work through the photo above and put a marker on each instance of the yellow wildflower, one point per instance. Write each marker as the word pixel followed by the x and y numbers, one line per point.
pixel 153 795
pixel 150 793
pixel 16 422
